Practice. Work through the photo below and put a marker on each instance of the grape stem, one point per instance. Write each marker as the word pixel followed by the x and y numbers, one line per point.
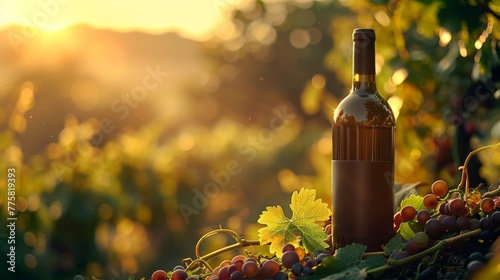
pixel 201 261
pixel 465 179
pixel 440 245
pixel 492 193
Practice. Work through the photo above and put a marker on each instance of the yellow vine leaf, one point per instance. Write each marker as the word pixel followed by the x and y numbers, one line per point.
pixel 306 212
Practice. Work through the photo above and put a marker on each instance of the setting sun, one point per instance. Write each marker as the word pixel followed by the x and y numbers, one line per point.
pixel 245 139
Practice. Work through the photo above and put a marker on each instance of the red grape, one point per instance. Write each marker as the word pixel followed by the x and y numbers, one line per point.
pixel 497 203
pixel 466 211
pixel 430 201
pixel 237 257
pixel 250 269
pixel 216 270
pixel 456 206
pixel 250 259
pixel 288 247
pixel 487 205
pixel 224 273
pixel 398 219
pixel 328 229
pixel 270 268
pixel 179 275
pixel 239 264
pixel 447 210
pixel 232 268
pixel 395 227
pixel 329 240
pixel 439 188
pixel 408 213
pixel 159 275
pixel 442 207
pixel 225 263
pixel 289 258
pixel 423 216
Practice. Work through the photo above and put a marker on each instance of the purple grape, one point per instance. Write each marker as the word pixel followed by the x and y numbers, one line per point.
pixel 449 223
pixel 495 217
pixel 462 223
pixel 411 247
pixel 423 216
pixel 401 255
pixel 236 275
pixel 307 271
pixel 297 269
pixel 288 247
pixel 487 235
pixel 486 223
pixel 474 224
pixel 433 227
pixel 289 258
pixel 310 263
pixel 473 267
pixel 280 276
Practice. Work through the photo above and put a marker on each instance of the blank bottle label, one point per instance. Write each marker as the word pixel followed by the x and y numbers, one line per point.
pixel 362 211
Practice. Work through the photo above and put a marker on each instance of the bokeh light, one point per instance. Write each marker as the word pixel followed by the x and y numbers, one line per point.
pixel 103 172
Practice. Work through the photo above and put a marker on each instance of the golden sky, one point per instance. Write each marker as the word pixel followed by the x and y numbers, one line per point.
pixel 193 18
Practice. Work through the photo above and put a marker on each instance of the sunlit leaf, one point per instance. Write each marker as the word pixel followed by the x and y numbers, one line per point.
pixel 416 201
pixel 280 230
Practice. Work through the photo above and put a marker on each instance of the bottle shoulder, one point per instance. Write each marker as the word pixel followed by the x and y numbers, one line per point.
pixel 360 108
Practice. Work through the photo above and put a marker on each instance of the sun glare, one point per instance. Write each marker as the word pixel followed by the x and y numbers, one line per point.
pixel 195 19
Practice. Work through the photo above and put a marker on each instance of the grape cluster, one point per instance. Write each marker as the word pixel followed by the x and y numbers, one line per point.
pixel 449 213
pixel 294 263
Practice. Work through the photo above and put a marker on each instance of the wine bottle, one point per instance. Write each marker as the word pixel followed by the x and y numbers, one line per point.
pixel 363 133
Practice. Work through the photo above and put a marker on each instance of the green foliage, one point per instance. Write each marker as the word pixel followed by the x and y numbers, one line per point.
pixel 414 200
pixel 348 263
pixel 114 206
pixel 280 230
pixel 408 229
pixel 396 244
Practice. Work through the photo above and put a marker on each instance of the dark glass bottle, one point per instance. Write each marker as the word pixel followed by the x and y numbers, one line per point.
pixel 363 133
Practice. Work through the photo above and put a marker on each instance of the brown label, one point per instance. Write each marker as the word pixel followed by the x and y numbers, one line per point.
pixel 363 198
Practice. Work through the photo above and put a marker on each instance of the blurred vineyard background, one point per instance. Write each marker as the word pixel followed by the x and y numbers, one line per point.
pixel 129 146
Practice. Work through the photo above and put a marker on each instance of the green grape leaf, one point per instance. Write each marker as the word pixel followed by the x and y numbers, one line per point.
pixel 408 229
pixel 396 244
pixel 348 263
pixel 372 262
pixel 350 255
pixel 414 200
pixel 306 211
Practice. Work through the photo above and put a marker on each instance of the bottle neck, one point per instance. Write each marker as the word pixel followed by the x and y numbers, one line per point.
pixel 363 58
pixel 364 82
